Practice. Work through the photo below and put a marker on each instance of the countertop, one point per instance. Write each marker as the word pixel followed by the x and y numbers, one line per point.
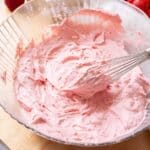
pixel 17 137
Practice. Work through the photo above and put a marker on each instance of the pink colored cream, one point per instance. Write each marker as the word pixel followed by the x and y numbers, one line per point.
pixel 62 87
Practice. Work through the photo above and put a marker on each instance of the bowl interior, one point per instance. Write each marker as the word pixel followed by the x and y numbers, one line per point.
pixel 34 16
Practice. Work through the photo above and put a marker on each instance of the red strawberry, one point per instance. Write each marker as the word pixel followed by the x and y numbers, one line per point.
pixel 148 12
pixel 130 1
pixel 142 4
pixel 13 4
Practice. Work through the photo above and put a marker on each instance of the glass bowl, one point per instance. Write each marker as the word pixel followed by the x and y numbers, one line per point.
pixel 28 22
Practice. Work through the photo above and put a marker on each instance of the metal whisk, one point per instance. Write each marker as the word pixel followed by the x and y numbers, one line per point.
pixel 122 65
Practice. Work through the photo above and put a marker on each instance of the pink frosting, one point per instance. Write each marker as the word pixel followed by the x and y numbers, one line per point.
pixel 62 86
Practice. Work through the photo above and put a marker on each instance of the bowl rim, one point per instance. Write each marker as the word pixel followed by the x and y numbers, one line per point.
pixel 57 140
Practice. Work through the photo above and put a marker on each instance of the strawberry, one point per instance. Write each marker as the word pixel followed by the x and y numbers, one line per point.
pixel 13 4
pixel 142 4
pixel 148 12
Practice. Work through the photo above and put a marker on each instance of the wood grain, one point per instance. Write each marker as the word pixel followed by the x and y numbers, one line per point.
pixel 17 137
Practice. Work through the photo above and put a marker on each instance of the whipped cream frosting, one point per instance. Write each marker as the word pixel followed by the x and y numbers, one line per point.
pixel 62 87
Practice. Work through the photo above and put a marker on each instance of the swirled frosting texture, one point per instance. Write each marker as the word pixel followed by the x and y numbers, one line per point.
pixel 62 87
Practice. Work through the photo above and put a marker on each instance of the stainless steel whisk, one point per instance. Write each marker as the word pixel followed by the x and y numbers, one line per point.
pixel 120 66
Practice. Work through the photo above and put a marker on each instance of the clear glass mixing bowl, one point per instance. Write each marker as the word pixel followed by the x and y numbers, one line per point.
pixel 28 22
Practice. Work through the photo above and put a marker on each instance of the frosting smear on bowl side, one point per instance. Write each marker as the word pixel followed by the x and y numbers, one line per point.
pixel 57 85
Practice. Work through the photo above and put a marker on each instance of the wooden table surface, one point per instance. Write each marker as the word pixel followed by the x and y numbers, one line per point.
pixel 17 137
